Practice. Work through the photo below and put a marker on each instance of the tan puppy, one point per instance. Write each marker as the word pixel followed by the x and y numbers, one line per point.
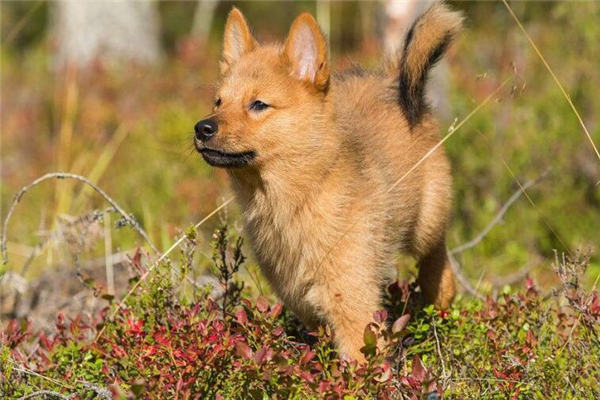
pixel 323 168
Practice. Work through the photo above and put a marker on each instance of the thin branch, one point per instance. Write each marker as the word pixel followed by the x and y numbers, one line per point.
pixel 439 351
pixel 461 278
pixel 498 217
pixel 22 23
pixel 27 371
pixel 451 131
pixel 513 278
pixel 104 393
pixel 455 265
pixel 560 86
pixel 129 219
pixel 87 218
pixel 40 393
pixel 65 175
pixel 536 208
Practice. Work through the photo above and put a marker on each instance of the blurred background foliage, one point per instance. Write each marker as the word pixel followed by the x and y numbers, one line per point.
pixel 129 128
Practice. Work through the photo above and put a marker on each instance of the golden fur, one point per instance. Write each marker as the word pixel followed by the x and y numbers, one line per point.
pixel 322 205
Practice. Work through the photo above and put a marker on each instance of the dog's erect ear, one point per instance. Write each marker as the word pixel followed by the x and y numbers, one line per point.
pixel 238 39
pixel 306 51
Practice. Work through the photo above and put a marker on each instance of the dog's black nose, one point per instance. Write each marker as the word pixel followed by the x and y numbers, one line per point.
pixel 205 129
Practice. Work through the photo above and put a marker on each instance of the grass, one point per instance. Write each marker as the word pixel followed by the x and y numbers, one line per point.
pixel 128 129
pixel 171 342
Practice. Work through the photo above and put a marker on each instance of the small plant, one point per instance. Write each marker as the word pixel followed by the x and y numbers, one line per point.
pixel 165 343
pixel 225 268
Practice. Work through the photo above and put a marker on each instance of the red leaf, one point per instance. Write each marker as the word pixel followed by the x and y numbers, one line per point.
pixel 247 303
pixel 159 338
pixel 309 355
pixel 380 316
pixel 418 371
pixel 242 317
pixel 324 386
pixel 276 310
pixel 515 395
pixel 277 331
pixel 400 323
pixel 386 372
pixel 307 376
pixel 243 350
pixel 260 355
pixel 46 343
pixel 136 260
pixel 262 304
pixel 529 336
pixel 529 285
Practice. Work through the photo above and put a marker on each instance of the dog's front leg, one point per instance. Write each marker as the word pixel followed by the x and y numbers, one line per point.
pixel 348 305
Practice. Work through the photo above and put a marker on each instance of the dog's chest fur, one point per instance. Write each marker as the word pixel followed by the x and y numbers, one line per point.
pixel 306 231
pixel 291 226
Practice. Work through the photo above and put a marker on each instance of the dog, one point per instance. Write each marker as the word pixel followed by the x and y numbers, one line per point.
pixel 335 173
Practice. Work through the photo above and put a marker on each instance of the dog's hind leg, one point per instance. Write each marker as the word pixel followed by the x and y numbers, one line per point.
pixel 436 278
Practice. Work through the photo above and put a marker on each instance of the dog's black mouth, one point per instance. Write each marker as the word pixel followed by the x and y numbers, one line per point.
pixel 218 158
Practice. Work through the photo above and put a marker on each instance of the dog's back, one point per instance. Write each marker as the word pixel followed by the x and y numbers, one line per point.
pixel 411 187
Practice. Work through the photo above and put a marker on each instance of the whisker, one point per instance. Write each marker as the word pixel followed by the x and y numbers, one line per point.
pixel 190 151
pixel 207 88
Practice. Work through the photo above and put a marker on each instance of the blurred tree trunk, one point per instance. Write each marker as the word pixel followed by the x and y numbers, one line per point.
pixel 324 19
pixel 399 15
pixel 107 30
pixel 203 19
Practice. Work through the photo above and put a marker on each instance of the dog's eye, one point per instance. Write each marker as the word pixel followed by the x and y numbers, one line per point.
pixel 258 105
pixel 218 102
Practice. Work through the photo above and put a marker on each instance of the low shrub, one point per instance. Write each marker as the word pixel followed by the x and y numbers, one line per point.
pixel 165 342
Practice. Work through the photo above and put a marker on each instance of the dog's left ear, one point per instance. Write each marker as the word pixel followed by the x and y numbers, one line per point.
pixel 306 51
pixel 238 39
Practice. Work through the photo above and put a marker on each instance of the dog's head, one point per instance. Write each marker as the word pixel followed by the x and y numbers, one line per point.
pixel 270 99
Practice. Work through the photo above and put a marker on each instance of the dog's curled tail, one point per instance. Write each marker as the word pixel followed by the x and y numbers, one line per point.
pixel 426 42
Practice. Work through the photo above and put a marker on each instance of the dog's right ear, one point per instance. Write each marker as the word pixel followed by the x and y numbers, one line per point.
pixel 306 51
pixel 238 39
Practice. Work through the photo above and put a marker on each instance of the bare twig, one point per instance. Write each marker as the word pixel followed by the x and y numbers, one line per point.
pixel 513 278
pixel 40 393
pixel 129 218
pixel 12 34
pixel 451 131
pixel 455 265
pixel 66 175
pixel 87 218
pixel 498 217
pixel 560 86
pixel 100 262
pixel 439 351
pixel 536 208
pixel 27 371
pixel 461 278
pixel 110 272
pixel 102 392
